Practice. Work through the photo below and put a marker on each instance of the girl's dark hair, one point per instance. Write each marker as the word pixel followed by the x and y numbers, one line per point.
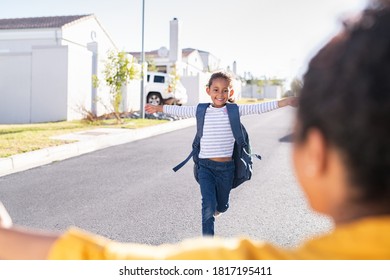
pixel 221 75
pixel 346 95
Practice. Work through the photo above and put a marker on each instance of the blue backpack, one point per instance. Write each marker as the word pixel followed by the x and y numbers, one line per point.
pixel 241 154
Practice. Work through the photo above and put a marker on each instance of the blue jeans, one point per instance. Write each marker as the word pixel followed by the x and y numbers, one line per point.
pixel 215 179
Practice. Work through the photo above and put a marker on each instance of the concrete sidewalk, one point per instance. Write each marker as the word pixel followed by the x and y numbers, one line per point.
pixel 88 141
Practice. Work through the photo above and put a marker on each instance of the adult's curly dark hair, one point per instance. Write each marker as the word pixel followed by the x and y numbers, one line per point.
pixel 346 95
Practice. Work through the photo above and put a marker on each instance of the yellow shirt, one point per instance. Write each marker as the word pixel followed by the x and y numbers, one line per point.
pixel 367 238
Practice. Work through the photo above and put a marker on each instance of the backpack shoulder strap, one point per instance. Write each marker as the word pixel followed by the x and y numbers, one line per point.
pixel 235 123
pixel 200 113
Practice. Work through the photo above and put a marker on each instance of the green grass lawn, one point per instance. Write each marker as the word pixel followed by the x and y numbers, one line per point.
pixel 21 138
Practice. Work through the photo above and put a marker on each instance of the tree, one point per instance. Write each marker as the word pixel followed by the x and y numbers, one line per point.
pixel 296 86
pixel 175 77
pixel 276 82
pixel 119 70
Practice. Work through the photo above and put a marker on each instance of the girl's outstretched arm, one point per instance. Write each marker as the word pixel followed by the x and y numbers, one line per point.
pixel 150 109
pixel 289 101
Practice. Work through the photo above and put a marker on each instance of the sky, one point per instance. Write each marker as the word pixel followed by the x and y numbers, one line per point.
pixel 267 38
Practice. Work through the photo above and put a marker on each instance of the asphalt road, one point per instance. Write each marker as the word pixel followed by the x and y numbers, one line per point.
pixel 130 193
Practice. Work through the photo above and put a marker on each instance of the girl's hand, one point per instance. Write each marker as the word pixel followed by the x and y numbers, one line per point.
pixel 289 101
pixel 292 101
pixel 151 109
pixel 5 219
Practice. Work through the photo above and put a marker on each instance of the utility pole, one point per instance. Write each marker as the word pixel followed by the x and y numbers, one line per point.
pixel 143 64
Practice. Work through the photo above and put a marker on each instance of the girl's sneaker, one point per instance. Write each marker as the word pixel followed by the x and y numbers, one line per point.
pixel 217 214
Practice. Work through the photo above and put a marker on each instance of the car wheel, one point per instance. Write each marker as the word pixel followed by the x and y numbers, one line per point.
pixel 154 98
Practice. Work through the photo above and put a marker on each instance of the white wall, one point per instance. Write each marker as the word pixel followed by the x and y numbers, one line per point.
pixel 194 64
pixel 86 31
pixel 196 88
pixel 273 92
pixel 268 92
pixel 36 77
pixel 49 84
pixel 252 91
pixel 131 94
pixel 23 40
pixel 15 93
pixel 77 36
pixel 33 86
pixel 210 62
pixel 45 74
pixel 79 76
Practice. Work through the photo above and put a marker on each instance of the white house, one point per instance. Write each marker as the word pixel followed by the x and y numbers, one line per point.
pixel 46 68
pixel 192 62
pixel 47 64
pixel 193 66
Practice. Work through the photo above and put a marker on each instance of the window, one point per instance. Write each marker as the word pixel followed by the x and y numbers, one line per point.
pixel 159 79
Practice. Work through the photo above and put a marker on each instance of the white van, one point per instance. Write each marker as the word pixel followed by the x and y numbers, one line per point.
pixel 158 91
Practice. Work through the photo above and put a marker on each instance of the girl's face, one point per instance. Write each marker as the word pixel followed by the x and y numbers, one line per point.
pixel 219 91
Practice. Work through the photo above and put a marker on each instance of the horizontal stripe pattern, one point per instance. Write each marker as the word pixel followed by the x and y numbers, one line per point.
pixel 257 108
pixel 180 111
pixel 218 139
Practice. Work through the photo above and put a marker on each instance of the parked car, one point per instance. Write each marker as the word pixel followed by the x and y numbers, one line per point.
pixel 159 90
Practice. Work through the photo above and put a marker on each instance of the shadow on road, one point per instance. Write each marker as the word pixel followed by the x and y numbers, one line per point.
pixel 287 139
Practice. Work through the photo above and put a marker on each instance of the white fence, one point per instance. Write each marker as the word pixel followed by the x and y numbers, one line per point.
pixel 265 92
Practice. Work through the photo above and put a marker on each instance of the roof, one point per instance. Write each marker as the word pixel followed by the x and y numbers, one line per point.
pixel 39 22
pixel 190 50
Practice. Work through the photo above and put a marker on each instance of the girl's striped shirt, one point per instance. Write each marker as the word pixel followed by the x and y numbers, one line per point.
pixel 218 140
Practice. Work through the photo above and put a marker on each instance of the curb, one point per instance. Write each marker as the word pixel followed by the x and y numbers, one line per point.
pixel 25 161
